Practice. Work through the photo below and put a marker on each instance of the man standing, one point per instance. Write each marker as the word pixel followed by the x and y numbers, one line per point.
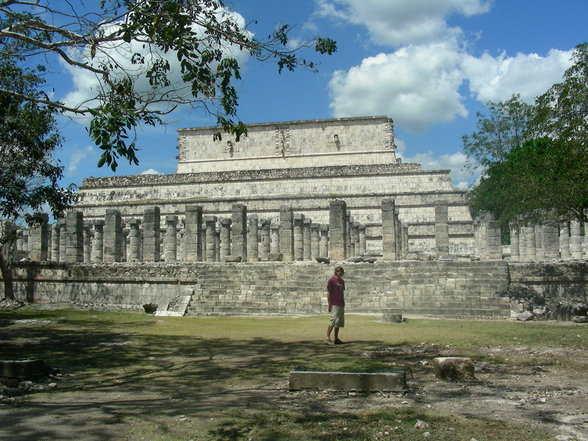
pixel 336 300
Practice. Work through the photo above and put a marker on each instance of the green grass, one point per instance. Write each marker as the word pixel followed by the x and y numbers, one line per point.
pixel 184 357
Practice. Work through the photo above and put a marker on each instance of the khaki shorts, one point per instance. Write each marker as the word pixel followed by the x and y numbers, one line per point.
pixel 337 317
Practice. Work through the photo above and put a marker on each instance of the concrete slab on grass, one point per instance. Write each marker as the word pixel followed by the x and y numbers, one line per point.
pixel 358 381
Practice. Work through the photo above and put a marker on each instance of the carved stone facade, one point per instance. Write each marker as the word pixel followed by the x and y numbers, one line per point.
pixel 302 164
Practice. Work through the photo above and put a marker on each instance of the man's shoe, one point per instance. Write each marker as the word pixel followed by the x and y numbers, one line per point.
pixel 338 342
pixel 328 341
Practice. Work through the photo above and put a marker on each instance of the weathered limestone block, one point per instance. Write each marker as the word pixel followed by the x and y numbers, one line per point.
pixel 98 240
pixel 298 236
pixel 55 230
pixel 113 236
pixel 442 230
pixel 210 222
pixel 564 240
pixel 75 236
pixel 453 368
pixel 170 244
pixel 515 253
pixel 193 246
pixel 225 239
pixel 274 239
pixel 239 231
pixel 253 238
pixel 362 239
pixel 550 241
pixel 39 240
pixel 389 229
pixel 151 234
pixel 324 240
pixel 360 381
pixel 134 254
pixel 287 233
pixel 307 240
pixel 315 241
pixel 575 240
pixel 337 230
pixel 265 240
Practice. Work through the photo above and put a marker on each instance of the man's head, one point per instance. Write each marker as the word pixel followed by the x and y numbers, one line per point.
pixel 339 271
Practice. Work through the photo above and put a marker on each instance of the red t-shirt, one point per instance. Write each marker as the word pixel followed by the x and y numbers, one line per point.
pixel 336 288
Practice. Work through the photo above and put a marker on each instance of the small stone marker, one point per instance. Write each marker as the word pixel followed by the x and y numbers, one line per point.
pixel 454 368
pixel 383 381
pixel 391 317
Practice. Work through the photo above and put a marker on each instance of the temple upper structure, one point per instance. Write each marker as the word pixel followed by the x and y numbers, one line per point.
pixel 294 144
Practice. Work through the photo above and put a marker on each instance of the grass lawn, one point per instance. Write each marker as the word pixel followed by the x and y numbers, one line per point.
pixel 167 378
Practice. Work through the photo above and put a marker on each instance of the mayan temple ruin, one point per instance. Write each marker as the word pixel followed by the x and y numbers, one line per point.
pixel 246 227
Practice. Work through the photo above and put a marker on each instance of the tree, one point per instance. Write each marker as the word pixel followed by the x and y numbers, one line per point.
pixel 150 57
pixel 535 157
pixel 506 126
pixel 28 175
pixel 543 179
pixel 562 111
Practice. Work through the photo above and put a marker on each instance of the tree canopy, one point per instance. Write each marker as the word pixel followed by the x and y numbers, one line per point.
pixel 148 58
pixel 535 157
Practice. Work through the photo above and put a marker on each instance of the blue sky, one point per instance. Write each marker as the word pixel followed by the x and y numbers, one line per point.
pixel 427 64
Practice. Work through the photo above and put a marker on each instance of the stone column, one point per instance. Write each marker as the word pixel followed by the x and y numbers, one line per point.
pixel 217 245
pixel 539 252
pixel 494 240
pixel 348 242
pixel 515 253
pixel 529 240
pixel 550 241
pixel 239 217
pixel 170 244
pixel 324 242
pixel 264 250
pixel 398 226
pixel 389 229
pixel 55 242
pixel 113 236
pixel 575 240
pixel 274 239
pixel 62 241
pixel 564 240
pixel 315 241
pixel 87 233
pixel 75 236
pixel 404 241
pixel 39 240
pixel 225 239
pixel 306 237
pixel 287 233
pixel 442 230
pixel 362 239
pixel 151 234
pixel 98 242
pixel 352 238
pixel 357 247
pixel 193 234
pixel 126 243
pixel 337 230
pixel 134 254
pixel 20 241
pixel 253 238
pixel 210 222
pixel 298 236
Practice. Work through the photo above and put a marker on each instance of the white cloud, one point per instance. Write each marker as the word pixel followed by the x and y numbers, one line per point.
pixel 150 171
pixel 77 157
pixel 395 22
pixel 417 85
pixel 461 176
pixel 498 78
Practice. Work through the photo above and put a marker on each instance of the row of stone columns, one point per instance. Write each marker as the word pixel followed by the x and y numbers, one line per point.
pixel 530 242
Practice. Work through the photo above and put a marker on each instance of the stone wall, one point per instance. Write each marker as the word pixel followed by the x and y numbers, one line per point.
pixel 444 289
